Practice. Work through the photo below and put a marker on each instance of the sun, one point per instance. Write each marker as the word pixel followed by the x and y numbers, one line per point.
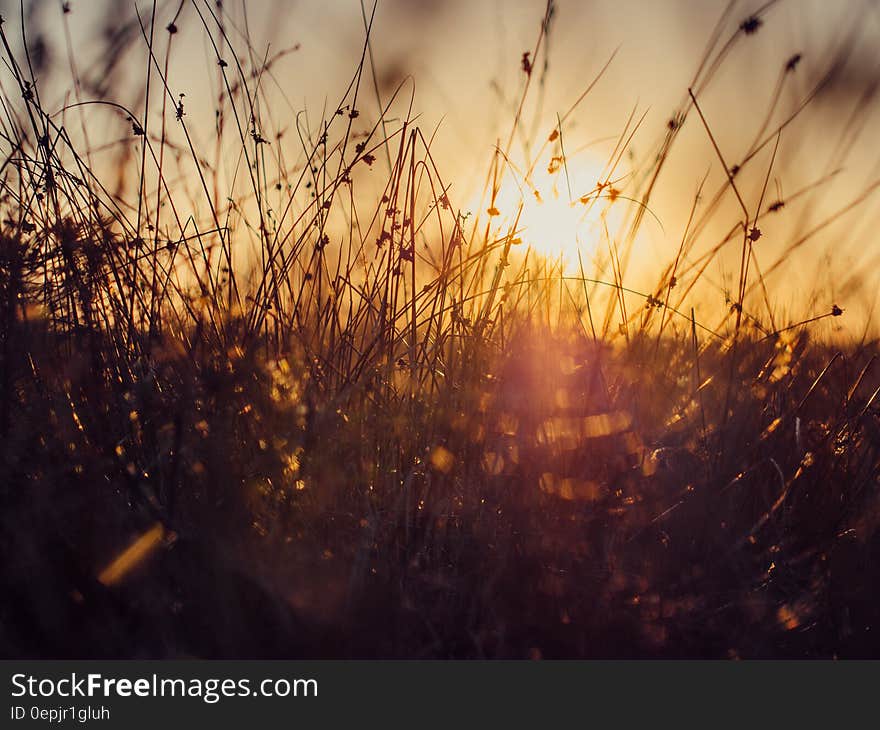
pixel 559 210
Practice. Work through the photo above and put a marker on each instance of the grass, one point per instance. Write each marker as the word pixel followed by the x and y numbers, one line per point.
pixel 324 416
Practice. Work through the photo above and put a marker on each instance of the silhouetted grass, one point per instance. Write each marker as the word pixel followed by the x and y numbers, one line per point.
pixel 330 417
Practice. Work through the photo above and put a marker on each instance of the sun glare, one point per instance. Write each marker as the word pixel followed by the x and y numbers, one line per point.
pixel 558 212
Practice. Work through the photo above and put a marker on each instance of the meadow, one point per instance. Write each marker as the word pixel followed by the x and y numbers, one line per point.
pixel 321 408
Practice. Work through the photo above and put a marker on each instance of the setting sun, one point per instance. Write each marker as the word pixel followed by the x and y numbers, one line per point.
pixel 561 211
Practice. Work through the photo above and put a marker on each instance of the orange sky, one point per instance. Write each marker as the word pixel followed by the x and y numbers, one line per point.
pixel 464 62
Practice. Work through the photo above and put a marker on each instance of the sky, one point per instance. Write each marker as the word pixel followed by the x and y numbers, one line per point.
pixel 461 62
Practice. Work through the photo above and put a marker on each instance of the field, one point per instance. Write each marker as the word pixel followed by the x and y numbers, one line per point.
pixel 321 408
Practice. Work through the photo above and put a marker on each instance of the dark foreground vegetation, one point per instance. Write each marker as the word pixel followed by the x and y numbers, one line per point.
pixel 580 509
pixel 391 438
